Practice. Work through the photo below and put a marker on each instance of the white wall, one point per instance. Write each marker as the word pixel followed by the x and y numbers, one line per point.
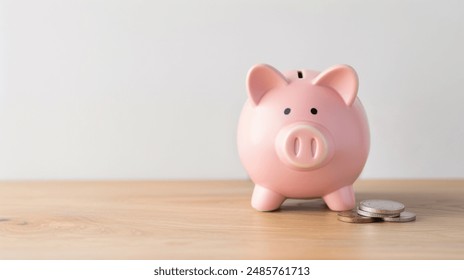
pixel 153 89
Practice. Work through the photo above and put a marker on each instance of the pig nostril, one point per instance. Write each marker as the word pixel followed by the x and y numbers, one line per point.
pixel 313 147
pixel 296 146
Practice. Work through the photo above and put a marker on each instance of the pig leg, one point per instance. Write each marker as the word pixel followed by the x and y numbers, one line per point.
pixel 264 199
pixel 341 199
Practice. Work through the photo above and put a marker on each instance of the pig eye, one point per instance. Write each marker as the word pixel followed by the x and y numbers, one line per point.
pixel 314 111
pixel 287 111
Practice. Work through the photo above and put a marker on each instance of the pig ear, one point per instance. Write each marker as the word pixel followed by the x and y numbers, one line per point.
pixel 262 78
pixel 341 78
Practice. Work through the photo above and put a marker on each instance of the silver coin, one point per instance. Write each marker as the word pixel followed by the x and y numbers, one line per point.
pixel 353 217
pixel 381 206
pixel 375 215
pixel 404 217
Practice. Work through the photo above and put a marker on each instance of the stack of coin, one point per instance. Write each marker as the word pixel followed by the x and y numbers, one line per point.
pixel 377 210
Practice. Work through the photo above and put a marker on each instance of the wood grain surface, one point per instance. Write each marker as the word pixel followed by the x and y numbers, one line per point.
pixel 214 220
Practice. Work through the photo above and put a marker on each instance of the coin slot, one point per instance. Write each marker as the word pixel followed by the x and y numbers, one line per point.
pixel 300 74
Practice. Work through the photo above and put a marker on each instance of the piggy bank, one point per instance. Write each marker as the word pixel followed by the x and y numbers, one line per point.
pixel 303 134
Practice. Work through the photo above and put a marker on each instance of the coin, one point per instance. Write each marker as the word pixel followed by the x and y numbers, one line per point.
pixel 380 206
pixel 375 215
pixel 353 217
pixel 404 217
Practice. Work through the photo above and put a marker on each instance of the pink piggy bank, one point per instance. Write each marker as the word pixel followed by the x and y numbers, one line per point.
pixel 303 134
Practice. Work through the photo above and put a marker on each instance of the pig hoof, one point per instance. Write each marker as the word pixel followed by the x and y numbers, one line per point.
pixel 341 200
pixel 266 200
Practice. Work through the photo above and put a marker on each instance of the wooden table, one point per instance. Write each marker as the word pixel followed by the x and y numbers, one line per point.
pixel 214 220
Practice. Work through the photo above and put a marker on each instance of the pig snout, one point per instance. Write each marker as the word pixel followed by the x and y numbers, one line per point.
pixel 304 146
